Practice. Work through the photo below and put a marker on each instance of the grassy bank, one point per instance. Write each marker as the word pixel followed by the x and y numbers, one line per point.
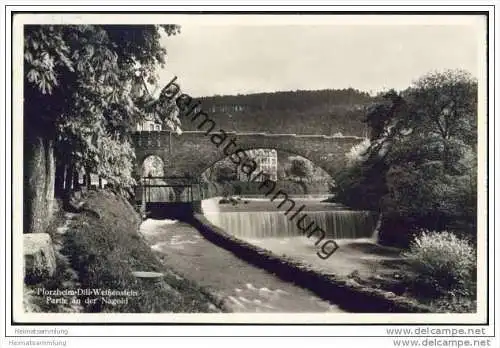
pixel 105 248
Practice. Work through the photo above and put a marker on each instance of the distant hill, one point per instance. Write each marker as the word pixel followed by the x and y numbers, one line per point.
pixel 303 112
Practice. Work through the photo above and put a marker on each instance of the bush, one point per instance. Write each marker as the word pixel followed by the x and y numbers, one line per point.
pixel 444 265
pixel 454 304
pixel 358 153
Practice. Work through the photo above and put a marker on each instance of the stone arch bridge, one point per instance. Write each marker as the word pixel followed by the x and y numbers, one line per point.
pixel 189 154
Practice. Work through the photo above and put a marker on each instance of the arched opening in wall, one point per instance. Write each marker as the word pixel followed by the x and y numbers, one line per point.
pixel 292 173
pixel 152 166
pixel 296 168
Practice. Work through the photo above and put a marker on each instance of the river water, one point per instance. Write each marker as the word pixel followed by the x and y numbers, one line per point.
pixel 261 223
pixel 247 288
pixel 242 286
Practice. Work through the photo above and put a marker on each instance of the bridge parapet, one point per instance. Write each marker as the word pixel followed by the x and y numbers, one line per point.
pixel 165 133
pixel 151 139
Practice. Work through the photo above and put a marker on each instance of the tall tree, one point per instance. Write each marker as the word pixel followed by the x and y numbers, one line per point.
pixel 301 168
pixel 83 92
pixel 420 167
pixel 224 171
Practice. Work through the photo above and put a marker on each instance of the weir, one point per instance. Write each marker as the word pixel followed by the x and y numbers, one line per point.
pixel 338 223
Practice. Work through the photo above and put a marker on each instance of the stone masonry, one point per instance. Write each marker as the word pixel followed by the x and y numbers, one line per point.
pixel 192 152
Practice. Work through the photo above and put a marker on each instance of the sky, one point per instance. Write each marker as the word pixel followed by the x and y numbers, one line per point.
pixel 211 59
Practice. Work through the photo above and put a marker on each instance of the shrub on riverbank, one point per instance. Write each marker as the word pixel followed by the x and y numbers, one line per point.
pixel 444 267
pixel 105 248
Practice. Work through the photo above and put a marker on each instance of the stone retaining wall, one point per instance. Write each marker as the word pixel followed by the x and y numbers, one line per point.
pixel 346 293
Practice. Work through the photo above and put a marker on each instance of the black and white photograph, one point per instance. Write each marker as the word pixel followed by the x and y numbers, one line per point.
pixel 250 168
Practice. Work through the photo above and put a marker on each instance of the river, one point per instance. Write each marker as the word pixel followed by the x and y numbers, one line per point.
pixel 247 288
pixel 262 223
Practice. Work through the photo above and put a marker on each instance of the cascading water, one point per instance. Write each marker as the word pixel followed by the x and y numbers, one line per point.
pixel 338 224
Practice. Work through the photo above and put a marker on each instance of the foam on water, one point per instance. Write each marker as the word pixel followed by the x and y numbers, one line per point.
pixel 210 205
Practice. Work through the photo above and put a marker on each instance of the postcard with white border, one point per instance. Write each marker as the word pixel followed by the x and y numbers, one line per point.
pixel 176 167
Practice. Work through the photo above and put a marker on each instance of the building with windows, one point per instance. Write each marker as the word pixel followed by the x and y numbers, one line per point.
pixel 267 162
pixel 150 124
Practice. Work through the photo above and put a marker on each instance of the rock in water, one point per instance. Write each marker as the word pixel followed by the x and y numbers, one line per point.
pixel 39 257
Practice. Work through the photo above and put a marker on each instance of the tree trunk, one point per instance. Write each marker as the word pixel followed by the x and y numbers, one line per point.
pixel 59 179
pixel 76 177
pixel 68 180
pixel 100 182
pixel 50 168
pixel 39 175
pixel 378 226
pixel 38 167
pixel 87 181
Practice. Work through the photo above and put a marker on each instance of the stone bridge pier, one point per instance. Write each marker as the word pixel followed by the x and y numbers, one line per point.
pixel 192 152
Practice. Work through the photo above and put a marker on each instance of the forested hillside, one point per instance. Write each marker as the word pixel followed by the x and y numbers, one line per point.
pixel 302 112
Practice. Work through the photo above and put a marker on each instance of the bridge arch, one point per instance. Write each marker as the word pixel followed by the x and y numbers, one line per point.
pixel 248 149
pixel 142 157
pixel 192 152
